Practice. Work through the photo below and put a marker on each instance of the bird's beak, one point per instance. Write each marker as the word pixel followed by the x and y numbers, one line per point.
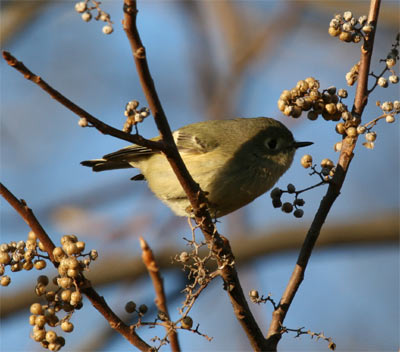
pixel 301 144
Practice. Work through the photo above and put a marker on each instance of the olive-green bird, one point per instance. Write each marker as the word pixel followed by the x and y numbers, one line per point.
pixel 234 161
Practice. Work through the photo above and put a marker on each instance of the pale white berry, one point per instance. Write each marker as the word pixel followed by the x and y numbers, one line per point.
pixel 394 79
pixel 370 136
pixel 382 82
pixel 347 16
pixel 390 119
pixel 80 7
pixel 86 16
pixel 107 29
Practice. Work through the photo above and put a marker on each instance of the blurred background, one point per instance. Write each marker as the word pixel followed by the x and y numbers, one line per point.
pixel 209 60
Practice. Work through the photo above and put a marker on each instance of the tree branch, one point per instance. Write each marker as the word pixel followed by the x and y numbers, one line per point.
pixel 85 286
pixel 161 301
pixel 346 155
pixel 101 126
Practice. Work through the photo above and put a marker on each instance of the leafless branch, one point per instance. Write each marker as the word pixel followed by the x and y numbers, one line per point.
pixel 161 301
pixel 98 301
pixel 346 155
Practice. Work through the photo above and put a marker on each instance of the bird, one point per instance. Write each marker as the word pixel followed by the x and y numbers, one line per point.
pixel 234 161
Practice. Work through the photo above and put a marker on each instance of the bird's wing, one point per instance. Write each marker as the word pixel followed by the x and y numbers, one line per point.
pixel 186 143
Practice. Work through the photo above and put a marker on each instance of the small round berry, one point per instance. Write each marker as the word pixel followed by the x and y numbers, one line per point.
pixel 306 161
pixel 83 122
pixel 337 147
pixel 348 27
pixel 342 93
pixel 390 62
pixel 302 86
pixel 334 32
pixel 64 282
pixel 40 289
pixel 276 193
pixel 285 95
pixel 362 20
pixel 298 213
pixel 291 188
pixel 276 203
pixel 330 108
pixel 4 258
pixel 32 236
pixel 299 202
pixel 340 128
pixel 351 132
pixel 396 105
pixel 368 28
pixel 296 112
pixel 347 16
pixel 387 106
pixel 370 136
pixel 345 37
pixel 327 163
pixel 346 115
pixel 394 79
pixel 76 297
pixel 312 83
pixel 254 294
pixel 67 326
pixel 130 307
pixel 382 82
pixel 39 335
pixel 107 29
pixel 143 309
pixel 390 119
pixel 361 129
pixel 86 16
pixel 187 322
pixel 70 248
pixel 287 207
pixel 369 145
pixel 282 104
pixel 36 308
pixel 51 336
pixel 66 295
pixel 356 38
pixel 43 279
pixel 80 6
pixel 5 280
pixel 312 115
pixel 39 264
pixel 40 321
pixel 93 254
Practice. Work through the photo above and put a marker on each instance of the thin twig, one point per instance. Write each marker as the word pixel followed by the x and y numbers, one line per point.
pixel 101 126
pixel 98 302
pixel 346 155
pixel 161 301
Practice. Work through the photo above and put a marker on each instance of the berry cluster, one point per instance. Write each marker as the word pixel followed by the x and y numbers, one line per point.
pixel 62 294
pixel 348 28
pixel 307 97
pixel 86 9
pixel 327 167
pixel 288 207
pixel 134 115
pixel 22 255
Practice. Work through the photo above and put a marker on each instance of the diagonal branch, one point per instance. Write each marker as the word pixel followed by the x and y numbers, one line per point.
pixel 346 155
pixel 98 301
pixel 101 126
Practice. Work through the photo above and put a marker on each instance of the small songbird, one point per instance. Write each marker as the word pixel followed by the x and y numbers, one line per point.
pixel 234 161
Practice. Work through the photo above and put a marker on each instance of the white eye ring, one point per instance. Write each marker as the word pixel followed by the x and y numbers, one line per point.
pixel 271 143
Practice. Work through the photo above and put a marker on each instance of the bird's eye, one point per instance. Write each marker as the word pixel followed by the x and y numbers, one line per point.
pixel 271 143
